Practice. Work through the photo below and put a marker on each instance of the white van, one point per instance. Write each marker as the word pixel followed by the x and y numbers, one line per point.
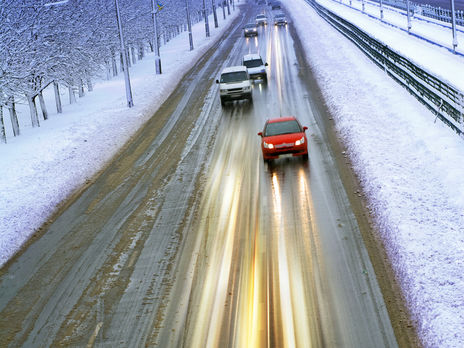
pixel 234 83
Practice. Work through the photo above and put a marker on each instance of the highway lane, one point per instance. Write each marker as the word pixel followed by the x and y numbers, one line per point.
pixel 189 239
pixel 279 259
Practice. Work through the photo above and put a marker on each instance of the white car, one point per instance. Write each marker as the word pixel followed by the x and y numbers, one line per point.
pixel 261 19
pixel 234 83
pixel 256 67
pixel 280 19
pixel 250 29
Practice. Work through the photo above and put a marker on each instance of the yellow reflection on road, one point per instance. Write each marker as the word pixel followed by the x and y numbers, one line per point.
pixel 278 65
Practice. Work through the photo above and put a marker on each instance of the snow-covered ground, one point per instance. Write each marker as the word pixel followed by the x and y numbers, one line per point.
pixel 44 166
pixel 434 59
pixel 410 166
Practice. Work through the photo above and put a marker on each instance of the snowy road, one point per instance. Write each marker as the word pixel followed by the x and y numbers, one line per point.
pixel 188 239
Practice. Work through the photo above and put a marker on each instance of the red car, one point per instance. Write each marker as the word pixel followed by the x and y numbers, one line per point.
pixel 283 135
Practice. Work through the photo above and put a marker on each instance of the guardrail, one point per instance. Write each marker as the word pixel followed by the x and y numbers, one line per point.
pixel 443 99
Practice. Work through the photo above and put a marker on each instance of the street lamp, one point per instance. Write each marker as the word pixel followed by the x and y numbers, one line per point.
pixel 130 102
pixel 189 24
pixel 154 4
pixel 409 16
pixel 453 16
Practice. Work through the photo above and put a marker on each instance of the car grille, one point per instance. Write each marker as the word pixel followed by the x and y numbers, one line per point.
pixel 283 145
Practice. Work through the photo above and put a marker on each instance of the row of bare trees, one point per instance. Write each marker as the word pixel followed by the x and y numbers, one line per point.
pixel 68 43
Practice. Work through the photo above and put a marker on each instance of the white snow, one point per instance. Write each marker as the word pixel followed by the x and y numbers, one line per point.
pixel 411 167
pixel 43 166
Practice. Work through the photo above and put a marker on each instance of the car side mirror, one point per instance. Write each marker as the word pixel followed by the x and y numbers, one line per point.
pixel 265 64
pixel 305 128
pixel 260 134
pixel 217 81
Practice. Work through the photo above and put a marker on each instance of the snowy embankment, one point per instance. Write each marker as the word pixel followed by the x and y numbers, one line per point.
pixel 411 169
pixel 434 59
pixel 45 165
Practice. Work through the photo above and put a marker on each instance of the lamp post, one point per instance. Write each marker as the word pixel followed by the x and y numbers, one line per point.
pixel 409 16
pixel 453 16
pixel 154 4
pixel 189 24
pixel 130 102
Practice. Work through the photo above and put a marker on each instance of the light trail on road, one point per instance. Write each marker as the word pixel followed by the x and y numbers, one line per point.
pixel 189 240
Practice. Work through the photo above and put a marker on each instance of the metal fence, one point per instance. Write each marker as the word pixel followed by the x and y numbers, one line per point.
pixel 430 11
pixel 443 99
pixel 440 13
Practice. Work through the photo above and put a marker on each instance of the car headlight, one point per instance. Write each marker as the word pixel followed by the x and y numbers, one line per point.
pixel 268 146
pixel 299 142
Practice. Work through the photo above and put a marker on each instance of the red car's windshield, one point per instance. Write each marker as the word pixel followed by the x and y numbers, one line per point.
pixel 285 127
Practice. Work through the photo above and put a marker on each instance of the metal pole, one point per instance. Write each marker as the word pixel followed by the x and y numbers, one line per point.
pixel 213 3
pixel 154 4
pixel 453 16
pixel 189 24
pixel 409 16
pixel 130 102
pixel 363 6
pixel 205 14
pixel 381 10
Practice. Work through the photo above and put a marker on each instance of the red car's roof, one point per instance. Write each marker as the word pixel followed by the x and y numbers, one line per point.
pixel 281 119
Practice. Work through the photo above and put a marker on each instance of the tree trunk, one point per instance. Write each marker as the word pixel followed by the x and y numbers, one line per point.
pixel 81 88
pixel 33 111
pixel 56 88
pixel 43 106
pixel 72 97
pixel 127 53
pixel 115 66
pixel 134 58
pixel 89 84
pixel 13 116
pixel 2 127
pixel 121 62
pixel 108 69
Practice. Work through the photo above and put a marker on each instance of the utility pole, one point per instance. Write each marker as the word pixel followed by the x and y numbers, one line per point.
pixel 130 102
